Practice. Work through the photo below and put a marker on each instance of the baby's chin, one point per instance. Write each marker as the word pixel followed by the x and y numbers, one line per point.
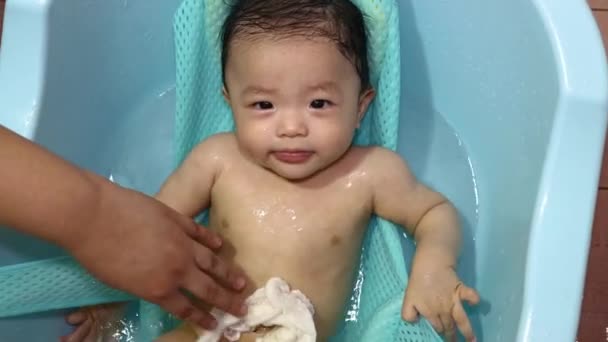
pixel 294 175
pixel 296 172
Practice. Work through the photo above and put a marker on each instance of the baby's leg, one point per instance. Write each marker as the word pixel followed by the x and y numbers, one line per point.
pixel 95 323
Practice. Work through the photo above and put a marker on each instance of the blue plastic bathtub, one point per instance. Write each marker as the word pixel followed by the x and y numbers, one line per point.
pixel 504 110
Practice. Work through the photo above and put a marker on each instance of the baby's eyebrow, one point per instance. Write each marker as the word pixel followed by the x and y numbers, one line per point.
pixel 256 89
pixel 327 86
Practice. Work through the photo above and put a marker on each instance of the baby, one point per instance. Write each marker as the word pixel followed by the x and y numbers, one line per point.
pixel 288 192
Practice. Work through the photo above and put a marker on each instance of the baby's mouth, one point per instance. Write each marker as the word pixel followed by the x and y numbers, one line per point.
pixel 292 156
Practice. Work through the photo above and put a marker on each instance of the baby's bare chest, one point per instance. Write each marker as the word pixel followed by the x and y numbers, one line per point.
pixel 256 210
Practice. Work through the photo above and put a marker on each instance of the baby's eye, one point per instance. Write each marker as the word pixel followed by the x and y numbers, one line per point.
pixel 263 105
pixel 320 104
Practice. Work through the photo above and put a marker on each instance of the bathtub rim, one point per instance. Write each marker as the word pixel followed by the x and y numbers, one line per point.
pixel 581 85
pixel 23 65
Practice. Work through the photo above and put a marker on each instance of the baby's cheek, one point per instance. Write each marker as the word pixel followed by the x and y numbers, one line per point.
pixel 340 136
pixel 252 142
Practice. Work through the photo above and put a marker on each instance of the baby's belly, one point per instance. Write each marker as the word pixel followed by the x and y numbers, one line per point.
pixel 320 266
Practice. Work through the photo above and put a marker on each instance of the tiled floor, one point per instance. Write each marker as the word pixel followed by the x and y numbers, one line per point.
pixel 593 325
pixel 594 314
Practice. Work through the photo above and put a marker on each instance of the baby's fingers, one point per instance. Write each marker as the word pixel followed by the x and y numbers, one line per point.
pixel 468 294
pixel 81 333
pixel 409 312
pixel 76 317
pixel 448 325
pixel 462 322
pixel 436 323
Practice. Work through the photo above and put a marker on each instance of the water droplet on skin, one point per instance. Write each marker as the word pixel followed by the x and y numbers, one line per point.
pixel 268 229
pixel 354 177
pixel 260 214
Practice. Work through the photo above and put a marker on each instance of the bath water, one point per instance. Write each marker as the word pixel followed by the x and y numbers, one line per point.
pixel 139 155
pixel 140 152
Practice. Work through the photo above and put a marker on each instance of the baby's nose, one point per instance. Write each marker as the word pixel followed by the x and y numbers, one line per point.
pixel 292 125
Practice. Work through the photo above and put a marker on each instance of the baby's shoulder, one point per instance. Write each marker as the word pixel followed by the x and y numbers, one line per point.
pixel 220 141
pixel 214 151
pixel 216 146
pixel 380 165
pixel 375 157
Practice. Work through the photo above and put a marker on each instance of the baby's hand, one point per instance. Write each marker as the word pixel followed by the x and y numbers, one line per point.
pixel 437 294
pixel 95 323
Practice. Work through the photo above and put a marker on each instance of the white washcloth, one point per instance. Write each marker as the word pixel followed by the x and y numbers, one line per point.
pixel 291 312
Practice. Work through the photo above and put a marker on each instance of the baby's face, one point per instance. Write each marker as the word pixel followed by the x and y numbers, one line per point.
pixel 296 103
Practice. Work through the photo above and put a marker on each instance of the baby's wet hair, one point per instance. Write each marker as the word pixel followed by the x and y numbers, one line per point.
pixel 340 21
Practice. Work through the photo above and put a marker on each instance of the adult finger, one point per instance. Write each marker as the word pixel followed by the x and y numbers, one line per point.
pixel 184 309
pixel 211 264
pixel 209 291
pixel 207 237
pixel 199 233
pixel 462 322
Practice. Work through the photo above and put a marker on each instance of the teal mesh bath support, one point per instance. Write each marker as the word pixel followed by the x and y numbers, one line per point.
pixel 201 112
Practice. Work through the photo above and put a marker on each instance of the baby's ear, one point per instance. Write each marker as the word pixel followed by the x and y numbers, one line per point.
pixel 225 94
pixel 365 99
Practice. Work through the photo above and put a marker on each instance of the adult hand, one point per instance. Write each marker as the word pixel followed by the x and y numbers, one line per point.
pixel 128 240
pixel 137 244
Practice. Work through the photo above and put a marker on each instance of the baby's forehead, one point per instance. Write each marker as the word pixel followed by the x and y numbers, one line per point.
pixel 319 47
pixel 289 55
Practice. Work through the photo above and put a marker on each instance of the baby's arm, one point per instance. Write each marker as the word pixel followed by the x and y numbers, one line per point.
pixel 426 215
pixel 188 189
pixel 434 289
